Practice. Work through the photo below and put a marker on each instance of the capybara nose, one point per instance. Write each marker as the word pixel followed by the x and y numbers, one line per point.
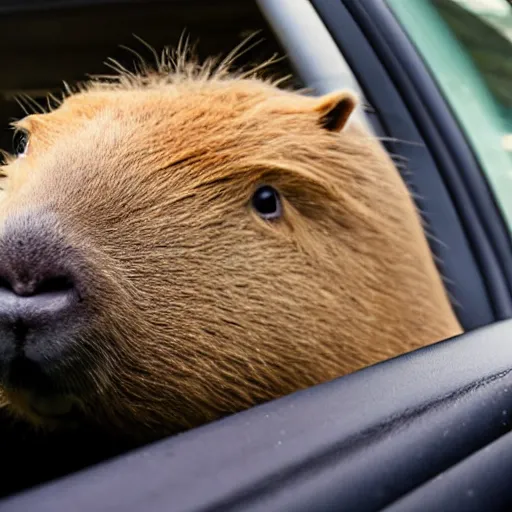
pixel 32 300
pixel 40 300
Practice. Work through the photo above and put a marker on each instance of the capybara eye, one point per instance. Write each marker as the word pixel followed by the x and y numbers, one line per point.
pixel 20 142
pixel 267 203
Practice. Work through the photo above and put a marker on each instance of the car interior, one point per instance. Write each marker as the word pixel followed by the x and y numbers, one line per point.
pixel 427 430
pixel 69 43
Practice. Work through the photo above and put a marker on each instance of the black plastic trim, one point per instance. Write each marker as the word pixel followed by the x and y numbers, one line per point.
pixel 474 485
pixel 456 258
pixel 360 442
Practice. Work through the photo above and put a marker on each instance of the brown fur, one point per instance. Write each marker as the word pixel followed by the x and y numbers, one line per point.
pixel 203 308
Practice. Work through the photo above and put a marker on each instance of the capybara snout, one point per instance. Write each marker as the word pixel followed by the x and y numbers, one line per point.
pixel 41 295
pixel 178 246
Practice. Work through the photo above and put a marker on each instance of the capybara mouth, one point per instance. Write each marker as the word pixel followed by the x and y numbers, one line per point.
pixel 43 375
pixel 50 411
pixel 52 407
pixel 23 373
pixel 37 396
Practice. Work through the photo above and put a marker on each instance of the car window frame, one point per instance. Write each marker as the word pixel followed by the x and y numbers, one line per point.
pixel 468 237
pixel 469 99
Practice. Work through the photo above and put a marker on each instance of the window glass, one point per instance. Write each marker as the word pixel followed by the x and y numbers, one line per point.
pixel 467 45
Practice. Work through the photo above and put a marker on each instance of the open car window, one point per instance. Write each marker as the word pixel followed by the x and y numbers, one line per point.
pixel 467 46
pixel 371 438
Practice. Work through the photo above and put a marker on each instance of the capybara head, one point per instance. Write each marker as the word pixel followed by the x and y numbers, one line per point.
pixel 177 246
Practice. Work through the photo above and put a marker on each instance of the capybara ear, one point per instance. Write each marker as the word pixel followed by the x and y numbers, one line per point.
pixel 335 109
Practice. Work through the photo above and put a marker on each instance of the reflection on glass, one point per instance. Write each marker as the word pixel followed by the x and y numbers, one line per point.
pixel 467 46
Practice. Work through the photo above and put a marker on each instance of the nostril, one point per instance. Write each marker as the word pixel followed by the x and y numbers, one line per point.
pixel 53 285
pixel 36 303
pixel 31 286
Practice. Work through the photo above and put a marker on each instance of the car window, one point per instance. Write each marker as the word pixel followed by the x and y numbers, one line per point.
pixel 467 45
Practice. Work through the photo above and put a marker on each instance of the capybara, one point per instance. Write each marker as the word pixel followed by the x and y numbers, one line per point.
pixel 180 244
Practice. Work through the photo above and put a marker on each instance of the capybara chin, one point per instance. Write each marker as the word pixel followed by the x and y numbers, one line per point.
pixel 176 247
